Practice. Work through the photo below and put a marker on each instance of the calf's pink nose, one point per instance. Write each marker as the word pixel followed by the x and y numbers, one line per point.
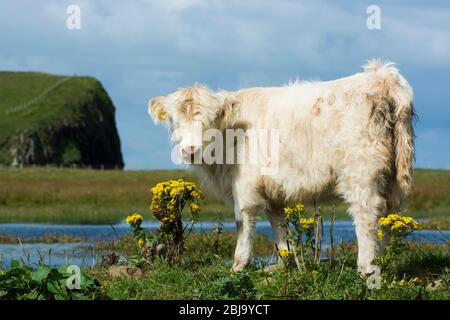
pixel 189 150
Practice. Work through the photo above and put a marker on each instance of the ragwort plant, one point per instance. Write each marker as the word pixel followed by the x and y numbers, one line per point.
pixel 169 199
pixel 392 230
pixel 304 237
pixel 135 221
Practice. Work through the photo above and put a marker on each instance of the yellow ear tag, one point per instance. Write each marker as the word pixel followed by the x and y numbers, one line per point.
pixel 162 116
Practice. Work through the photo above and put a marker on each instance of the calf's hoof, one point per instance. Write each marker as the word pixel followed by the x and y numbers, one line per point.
pixel 238 266
pixel 367 271
pixel 273 268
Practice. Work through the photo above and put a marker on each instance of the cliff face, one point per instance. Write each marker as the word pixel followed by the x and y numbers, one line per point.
pixel 67 121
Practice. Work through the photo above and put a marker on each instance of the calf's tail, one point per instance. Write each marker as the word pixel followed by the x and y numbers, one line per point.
pixel 400 98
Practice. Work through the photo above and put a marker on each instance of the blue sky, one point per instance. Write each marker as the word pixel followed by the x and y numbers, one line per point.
pixel 141 49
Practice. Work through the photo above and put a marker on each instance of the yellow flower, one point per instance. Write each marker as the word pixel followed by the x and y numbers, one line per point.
pixel 298 208
pixel 384 222
pixel 196 194
pixel 307 223
pixel 283 253
pixel 170 197
pixel 394 216
pixel 398 224
pixel 172 205
pixel 140 243
pixel 416 281
pixel 380 234
pixel 402 283
pixel 134 219
pixel 195 208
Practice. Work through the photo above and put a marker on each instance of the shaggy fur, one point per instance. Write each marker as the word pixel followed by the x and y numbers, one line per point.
pixel 354 134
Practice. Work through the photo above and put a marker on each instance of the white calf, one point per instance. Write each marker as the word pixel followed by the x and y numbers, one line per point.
pixel 353 134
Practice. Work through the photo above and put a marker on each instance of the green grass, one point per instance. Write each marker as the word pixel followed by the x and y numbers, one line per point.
pixel 17 88
pixel 52 195
pixel 38 105
pixel 204 273
pixel 438 224
pixel 83 196
pixel 207 276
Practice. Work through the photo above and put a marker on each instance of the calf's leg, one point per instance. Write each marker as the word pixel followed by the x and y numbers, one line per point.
pixel 394 204
pixel 246 229
pixel 276 218
pixel 366 207
pixel 246 208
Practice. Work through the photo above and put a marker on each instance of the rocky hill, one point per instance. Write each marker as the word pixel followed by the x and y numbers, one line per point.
pixel 57 120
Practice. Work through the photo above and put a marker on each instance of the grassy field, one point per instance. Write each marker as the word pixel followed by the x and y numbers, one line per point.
pixel 419 271
pixel 205 274
pixel 51 195
pixel 208 277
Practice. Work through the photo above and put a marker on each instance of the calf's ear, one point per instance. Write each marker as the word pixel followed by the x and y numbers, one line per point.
pixel 157 109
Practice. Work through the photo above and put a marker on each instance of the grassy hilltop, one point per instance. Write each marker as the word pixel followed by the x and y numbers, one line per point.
pixel 16 88
pixel 56 119
pixel 92 196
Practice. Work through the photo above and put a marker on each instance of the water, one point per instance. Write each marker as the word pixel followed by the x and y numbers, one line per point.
pixel 83 253
pixel 53 254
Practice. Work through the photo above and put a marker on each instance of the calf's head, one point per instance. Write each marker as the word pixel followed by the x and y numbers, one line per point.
pixel 188 112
